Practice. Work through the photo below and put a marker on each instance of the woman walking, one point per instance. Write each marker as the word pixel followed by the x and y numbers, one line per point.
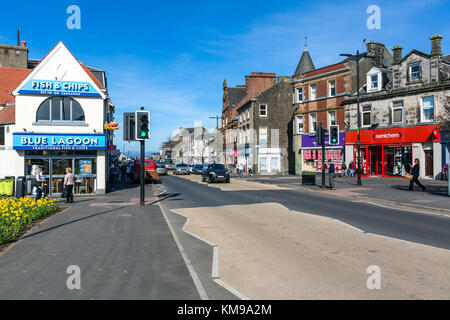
pixel 68 185
pixel 38 183
pixel 416 172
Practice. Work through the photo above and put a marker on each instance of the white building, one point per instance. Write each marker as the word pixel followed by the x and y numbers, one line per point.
pixel 60 111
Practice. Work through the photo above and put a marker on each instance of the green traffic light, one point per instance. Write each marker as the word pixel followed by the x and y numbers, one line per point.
pixel 143 134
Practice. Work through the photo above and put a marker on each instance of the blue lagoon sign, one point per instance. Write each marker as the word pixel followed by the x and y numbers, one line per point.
pixel 55 87
pixel 48 141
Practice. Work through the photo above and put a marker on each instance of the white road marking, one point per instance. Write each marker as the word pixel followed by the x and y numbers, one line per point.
pixel 215 266
pixel 350 226
pixel 232 290
pixel 409 209
pixel 195 278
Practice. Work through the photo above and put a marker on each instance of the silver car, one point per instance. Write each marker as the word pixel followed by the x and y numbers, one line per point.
pixel 161 170
pixel 181 169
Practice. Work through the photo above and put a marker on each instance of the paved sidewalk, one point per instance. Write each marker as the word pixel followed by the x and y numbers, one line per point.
pixel 383 189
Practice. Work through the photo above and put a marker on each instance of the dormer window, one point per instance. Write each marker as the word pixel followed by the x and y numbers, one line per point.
pixel 414 72
pixel 374 80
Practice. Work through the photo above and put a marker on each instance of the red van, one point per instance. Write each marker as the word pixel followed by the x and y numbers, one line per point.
pixel 150 171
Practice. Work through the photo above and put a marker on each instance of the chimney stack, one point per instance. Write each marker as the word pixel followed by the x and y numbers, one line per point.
pixel 376 50
pixel 436 45
pixel 397 54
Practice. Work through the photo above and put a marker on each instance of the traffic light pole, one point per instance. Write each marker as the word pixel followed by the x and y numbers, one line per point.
pixel 142 179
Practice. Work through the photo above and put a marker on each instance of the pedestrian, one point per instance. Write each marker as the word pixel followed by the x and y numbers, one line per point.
pixel 331 172
pixel 351 169
pixel 111 177
pixel 123 171
pixel 128 172
pixel 445 172
pixel 68 185
pixel 250 171
pixel 241 170
pixel 415 173
pixel 38 183
pixel 344 169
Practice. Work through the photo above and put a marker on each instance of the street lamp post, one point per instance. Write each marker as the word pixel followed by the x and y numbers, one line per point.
pixel 356 58
pixel 217 121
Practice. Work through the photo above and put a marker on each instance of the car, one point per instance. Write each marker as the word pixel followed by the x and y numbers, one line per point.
pixel 215 172
pixel 161 169
pixel 181 168
pixel 198 169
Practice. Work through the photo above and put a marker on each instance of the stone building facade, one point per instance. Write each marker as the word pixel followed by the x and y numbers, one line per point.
pixel 399 106
pixel 233 98
pixel 264 122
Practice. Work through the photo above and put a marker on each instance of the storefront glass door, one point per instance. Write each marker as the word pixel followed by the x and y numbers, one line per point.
pixel 58 171
pixel 31 166
pixel 375 160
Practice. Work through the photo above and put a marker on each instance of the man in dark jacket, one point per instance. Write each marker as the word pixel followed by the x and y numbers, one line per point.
pixel 331 172
pixel 416 172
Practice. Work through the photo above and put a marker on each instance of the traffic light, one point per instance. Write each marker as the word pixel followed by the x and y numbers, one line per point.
pixel 320 136
pixel 334 135
pixel 129 124
pixel 142 125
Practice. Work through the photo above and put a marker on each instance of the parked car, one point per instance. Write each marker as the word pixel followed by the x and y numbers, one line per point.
pixel 215 172
pixel 161 169
pixel 181 168
pixel 198 169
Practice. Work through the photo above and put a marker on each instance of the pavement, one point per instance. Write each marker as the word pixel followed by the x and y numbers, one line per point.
pixel 124 251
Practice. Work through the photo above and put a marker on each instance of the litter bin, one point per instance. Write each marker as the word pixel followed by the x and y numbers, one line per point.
pixel 309 178
pixel 2 187
pixel 8 186
pixel 13 183
pixel 21 189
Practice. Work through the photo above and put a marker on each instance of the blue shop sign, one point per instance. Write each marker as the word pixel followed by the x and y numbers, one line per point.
pixel 55 87
pixel 48 141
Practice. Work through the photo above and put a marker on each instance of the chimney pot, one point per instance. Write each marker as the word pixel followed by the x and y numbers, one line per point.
pixel 24 43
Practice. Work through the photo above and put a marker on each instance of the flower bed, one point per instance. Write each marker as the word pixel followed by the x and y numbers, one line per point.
pixel 17 213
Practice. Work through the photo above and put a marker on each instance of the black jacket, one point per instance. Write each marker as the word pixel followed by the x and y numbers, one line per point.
pixel 415 171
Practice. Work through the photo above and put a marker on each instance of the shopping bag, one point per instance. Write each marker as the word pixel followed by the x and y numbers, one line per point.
pixel 409 176
pixel 64 194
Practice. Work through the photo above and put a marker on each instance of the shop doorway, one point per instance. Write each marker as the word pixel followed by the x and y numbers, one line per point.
pixel 429 163
pixel 376 161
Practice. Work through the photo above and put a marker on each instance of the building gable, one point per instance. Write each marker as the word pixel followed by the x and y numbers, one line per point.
pixel 59 73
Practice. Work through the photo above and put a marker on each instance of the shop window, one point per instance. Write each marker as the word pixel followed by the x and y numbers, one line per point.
pixel 414 72
pixel 263 110
pixel 427 113
pixel 366 115
pixel 312 122
pixel 332 88
pixel 397 112
pixel 313 92
pixel 60 109
pixel 398 160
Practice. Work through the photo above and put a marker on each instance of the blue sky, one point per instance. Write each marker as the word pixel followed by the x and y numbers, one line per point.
pixel 172 57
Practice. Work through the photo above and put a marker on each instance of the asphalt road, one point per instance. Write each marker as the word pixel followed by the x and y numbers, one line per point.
pixel 421 228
